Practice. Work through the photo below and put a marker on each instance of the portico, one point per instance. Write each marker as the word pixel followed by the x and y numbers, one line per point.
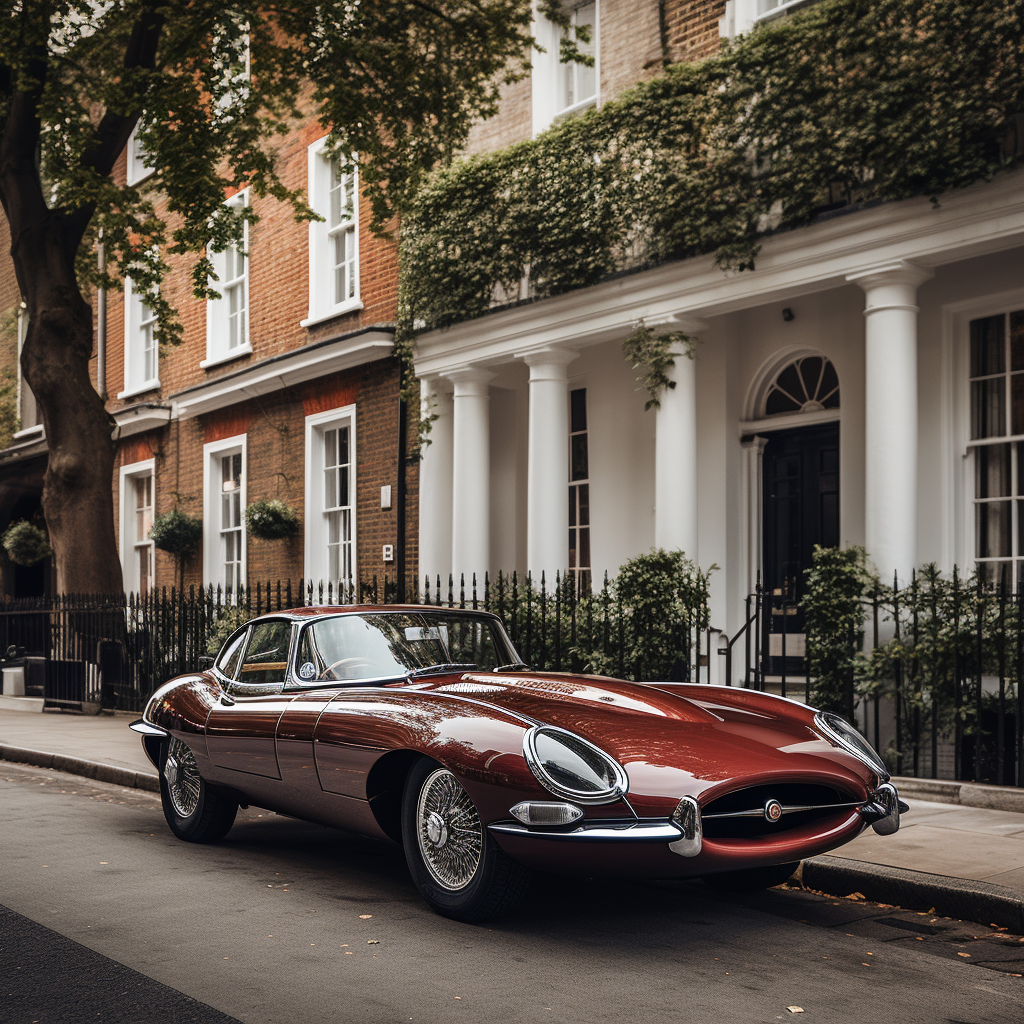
pixel 873 297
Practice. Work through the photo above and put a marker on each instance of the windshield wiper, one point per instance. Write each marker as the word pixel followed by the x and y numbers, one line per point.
pixel 444 666
pixel 512 666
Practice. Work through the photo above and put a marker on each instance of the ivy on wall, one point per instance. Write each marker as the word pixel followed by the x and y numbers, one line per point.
pixel 850 101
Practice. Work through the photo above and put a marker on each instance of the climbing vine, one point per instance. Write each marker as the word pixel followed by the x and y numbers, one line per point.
pixel 654 355
pixel 848 102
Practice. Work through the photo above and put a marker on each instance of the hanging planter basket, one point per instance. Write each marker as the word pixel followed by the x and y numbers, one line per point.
pixel 177 533
pixel 26 544
pixel 271 519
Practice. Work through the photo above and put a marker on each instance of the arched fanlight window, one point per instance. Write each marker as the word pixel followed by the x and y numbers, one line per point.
pixel 808 384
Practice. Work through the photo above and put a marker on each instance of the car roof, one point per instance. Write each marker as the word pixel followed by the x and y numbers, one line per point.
pixel 307 612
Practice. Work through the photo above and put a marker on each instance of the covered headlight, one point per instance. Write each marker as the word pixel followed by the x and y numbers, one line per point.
pixel 573 768
pixel 838 731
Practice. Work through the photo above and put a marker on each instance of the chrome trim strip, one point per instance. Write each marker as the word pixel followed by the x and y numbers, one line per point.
pixel 651 830
pixel 143 728
pixel 758 812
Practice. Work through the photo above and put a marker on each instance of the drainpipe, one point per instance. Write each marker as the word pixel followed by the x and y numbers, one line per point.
pixel 403 430
pixel 101 326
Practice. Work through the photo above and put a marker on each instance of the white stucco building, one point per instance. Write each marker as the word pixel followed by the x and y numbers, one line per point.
pixel 859 387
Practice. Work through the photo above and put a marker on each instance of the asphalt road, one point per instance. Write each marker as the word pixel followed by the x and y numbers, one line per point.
pixel 287 922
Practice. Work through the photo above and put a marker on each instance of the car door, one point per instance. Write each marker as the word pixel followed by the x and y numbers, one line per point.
pixel 241 730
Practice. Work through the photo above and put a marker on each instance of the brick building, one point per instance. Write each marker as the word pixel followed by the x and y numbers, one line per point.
pixel 283 388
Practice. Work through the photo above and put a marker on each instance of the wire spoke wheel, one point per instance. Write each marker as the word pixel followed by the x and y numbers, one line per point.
pixel 183 779
pixel 448 830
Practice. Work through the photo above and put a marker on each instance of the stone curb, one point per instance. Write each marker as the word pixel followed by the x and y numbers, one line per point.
pixel 965 898
pixel 79 766
pixel 966 794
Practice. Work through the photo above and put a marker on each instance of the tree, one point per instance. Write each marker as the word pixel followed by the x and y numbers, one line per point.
pixel 209 86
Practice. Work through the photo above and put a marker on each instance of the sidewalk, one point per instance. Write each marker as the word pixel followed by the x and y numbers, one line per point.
pixel 945 855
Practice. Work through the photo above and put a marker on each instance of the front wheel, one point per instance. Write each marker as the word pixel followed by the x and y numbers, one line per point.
pixel 456 866
pixel 194 810
pixel 751 879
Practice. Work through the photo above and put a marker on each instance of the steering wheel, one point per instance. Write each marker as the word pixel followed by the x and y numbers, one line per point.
pixel 347 662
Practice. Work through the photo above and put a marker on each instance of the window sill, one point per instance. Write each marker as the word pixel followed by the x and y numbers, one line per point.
pixel 149 385
pixel 577 108
pixel 235 353
pixel 140 178
pixel 342 307
pixel 782 9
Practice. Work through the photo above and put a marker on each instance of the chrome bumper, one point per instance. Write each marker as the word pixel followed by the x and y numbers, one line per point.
pixel 684 830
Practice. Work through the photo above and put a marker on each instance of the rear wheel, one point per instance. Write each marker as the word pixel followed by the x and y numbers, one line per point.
pixel 751 879
pixel 457 867
pixel 195 811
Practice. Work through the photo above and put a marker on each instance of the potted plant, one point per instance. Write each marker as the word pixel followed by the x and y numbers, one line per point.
pixel 26 543
pixel 178 534
pixel 271 519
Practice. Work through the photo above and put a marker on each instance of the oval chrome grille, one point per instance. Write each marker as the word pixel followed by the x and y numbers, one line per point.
pixel 772 809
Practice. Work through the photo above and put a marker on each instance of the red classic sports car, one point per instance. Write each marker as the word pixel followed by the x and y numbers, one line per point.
pixel 421 725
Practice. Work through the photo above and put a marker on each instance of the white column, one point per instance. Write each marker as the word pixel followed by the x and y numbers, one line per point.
pixel 675 454
pixel 890 448
pixel 471 474
pixel 436 484
pixel 547 500
pixel 753 506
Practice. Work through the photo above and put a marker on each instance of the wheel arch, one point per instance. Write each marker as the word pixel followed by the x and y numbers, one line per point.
pixel 385 786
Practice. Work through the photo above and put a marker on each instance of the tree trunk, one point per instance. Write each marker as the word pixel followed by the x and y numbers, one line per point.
pixel 78 486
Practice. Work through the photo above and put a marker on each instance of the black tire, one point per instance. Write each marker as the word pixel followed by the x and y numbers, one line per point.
pixel 196 811
pixel 471 879
pixel 751 879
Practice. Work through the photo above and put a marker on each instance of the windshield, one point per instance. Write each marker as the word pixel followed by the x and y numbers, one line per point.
pixel 372 645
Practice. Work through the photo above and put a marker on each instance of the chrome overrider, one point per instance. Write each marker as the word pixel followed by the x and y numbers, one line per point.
pixel 683 831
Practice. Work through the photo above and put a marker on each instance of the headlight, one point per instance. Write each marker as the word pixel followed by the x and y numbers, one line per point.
pixel 844 735
pixel 570 767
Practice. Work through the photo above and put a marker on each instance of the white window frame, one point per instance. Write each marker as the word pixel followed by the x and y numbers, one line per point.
pixel 321 270
pixel 742 15
pixel 218 314
pixel 135 381
pixel 27 407
pixel 137 169
pixel 548 70
pixel 128 542
pixel 213 562
pixel 315 555
pixel 958 482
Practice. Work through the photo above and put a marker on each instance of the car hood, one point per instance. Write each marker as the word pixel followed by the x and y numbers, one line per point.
pixel 676 739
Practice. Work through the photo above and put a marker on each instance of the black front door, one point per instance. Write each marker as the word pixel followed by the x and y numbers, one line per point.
pixel 801 509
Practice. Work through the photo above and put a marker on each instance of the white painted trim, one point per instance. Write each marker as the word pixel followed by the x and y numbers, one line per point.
pixel 957 463
pixel 784 421
pixel 136 168
pixel 757 392
pixel 319 200
pixel 213 453
pixel 216 311
pixel 131 339
pixel 351 306
pixel 230 357
pixel 275 374
pixel 139 419
pixel 982 219
pixel 315 424
pixel 29 432
pixel 133 469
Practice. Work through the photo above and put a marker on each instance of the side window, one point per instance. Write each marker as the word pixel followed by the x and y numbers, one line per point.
pixel 266 654
pixel 231 653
